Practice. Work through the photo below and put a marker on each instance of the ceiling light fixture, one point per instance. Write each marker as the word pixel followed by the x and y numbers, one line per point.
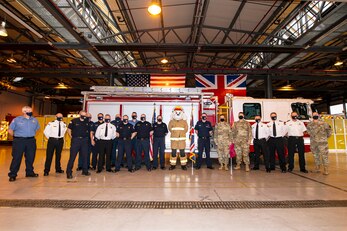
pixel 17 79
pixel 3 31
pixel 338 62
pixel 61 85
pixel 154 8
pixel 164 61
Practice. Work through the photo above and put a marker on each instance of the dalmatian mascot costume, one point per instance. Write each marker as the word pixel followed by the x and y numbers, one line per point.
pixel 178 127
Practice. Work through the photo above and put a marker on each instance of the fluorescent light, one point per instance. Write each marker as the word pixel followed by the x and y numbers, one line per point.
pixel 17 79
pixel 11 60
pixel 338 62
pixel 154 8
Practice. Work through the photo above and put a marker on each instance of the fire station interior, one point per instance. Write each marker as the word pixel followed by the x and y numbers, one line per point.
pixel 63 56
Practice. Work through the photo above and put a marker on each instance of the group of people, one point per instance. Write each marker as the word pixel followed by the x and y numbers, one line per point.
pixel 103 138
pixel 271 138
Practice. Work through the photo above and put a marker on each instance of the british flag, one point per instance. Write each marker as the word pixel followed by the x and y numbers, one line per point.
pixel 235 81
pixel 206 81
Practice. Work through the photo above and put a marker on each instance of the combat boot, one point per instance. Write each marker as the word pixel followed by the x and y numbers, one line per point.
pixel 326 172
pixel 247 167
pixel 221 166
pixel 226 167
pixel 317 169
pixel 237 167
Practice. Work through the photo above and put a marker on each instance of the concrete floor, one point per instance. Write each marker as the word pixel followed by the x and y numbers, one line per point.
pixel 177 185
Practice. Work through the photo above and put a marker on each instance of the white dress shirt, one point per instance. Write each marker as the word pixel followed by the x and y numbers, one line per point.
pixel 52 129
pixel 100 132
pixel 281 128
pixel 263 131
pixel 295 128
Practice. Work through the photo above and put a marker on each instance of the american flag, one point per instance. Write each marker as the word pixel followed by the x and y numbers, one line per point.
pixel 137 80
pixel 192 155
pixel 168 80
pixel 154 119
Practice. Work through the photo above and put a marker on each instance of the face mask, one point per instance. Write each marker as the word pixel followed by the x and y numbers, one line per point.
pixel 274 117
pixel 29 113
pixel 294 117
pixel 315 117
pixel 82 117
pixel 100 118
pixel 222 120
pixel 134 117
pixel 204 117
pixel 107 120
pixel 143 118
pixel 240 117
pixel 59 118
pixel 117 119
pixel 125 121
pixel 160 120
pixel 257 120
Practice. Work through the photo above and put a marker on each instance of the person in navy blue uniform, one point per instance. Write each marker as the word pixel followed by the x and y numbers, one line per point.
pixel 79 131
pixel 94 140
pixel 143 131
pixel 23 129
pixel 54 132
pixel 203 129
pixel 125 133
pixel 159 132
pixel 90 146
pixel 115 122
pixel 133 122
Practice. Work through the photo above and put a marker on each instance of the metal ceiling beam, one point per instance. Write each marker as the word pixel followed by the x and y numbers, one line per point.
pixel 173 47
pixel 298 89
pixel 102 72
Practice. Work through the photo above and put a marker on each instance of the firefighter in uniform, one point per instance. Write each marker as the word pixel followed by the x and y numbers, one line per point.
pixel 95 141
pixel 277 131
pixel 133 122
pixel 90 146
pixel 159 132
pixel 260 134
pixel 242 137
pixel 78 130
pixel 105 133
pixel 296 129
pixel 54 132
pixel 203 129
pixel 319 132
pixel 143 131
pixel 23 129
pixel 115 122
pixel 178 128
pixel 223 139
pixel 125 133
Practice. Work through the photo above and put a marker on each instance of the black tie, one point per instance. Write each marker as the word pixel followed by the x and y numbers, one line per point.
pixel 59 130
pixel 274 130
pixel 257 131
pixel 106 130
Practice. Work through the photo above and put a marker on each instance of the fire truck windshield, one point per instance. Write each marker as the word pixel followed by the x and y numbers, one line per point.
pixel 301 109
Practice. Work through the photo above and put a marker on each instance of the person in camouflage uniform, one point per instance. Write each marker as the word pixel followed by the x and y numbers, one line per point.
pixel 242 137
pixel 223 138
pixel 319 132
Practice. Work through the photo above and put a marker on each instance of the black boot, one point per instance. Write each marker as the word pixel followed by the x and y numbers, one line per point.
pixel 172 167
pixel 184 167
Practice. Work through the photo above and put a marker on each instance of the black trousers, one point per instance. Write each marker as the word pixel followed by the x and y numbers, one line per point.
pixel 261 146
pixel 159 147
pixel 78 145
pixel 105 149
pixel 124 146
pixel 293 143
pixel 57 146
pixel 20 146
pixel 204 144
pixel 277 144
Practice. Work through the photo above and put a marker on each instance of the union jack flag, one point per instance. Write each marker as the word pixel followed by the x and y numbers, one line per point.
pixel 235 81
pixel 206 81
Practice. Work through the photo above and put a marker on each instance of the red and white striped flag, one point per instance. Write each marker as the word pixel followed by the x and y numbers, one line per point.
pixel 168 80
